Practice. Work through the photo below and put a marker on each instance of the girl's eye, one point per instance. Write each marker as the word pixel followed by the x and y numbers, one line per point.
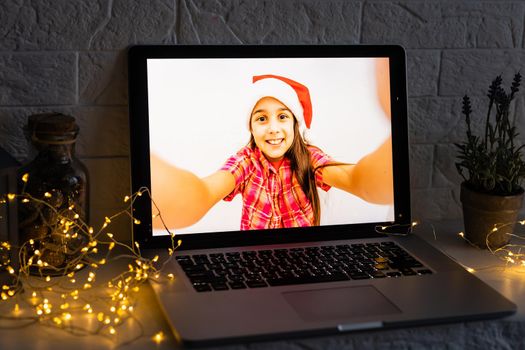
pixel 261 118
pixel 283 116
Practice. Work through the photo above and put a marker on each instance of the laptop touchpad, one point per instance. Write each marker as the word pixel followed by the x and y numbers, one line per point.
pixel 340 303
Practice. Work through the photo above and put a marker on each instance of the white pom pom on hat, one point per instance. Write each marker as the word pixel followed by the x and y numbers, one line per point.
pixel 292 94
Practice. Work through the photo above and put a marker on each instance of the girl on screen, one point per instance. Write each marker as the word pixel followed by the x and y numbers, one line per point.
pixel 277 173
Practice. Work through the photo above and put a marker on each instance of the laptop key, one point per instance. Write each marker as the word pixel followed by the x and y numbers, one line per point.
pixel 360 276
pixel 394 274
pixel 237 285
pixel 408 272
pixel 378 274
pixel 219 286
pixel 202 287
pixel 256 283
pixel 307 279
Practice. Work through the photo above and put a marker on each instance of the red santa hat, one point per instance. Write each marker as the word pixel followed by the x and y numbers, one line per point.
pixel 292 94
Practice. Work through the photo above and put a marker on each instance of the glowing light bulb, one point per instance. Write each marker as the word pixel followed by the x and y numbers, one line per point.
pixel 158 337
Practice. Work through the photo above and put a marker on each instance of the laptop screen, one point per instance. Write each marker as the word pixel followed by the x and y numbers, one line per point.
pixel 262 143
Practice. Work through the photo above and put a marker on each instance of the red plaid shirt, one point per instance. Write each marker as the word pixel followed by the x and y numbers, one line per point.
pixel 272 198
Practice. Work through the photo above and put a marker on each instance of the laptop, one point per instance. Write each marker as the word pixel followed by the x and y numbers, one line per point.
pixel 284 172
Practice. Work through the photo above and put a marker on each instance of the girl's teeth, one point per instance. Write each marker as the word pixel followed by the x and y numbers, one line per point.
pixel 275 142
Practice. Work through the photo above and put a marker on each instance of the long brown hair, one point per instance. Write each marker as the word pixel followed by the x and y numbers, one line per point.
pixel 302 169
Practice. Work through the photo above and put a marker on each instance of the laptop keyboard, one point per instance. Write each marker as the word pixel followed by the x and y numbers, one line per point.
pixel 280 267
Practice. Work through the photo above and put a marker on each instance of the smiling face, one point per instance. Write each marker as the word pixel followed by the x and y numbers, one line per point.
pixel 272 127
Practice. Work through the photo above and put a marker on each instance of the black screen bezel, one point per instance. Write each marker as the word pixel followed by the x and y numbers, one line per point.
pixel 139 142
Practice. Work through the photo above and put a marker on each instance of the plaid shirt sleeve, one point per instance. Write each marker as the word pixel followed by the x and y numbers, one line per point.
pixel 239 165
pixel 319 158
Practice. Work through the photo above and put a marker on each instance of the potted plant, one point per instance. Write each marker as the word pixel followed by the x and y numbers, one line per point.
pixel 493 169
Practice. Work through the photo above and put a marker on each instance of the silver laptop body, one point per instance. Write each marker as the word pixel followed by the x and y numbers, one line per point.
pixel 164 78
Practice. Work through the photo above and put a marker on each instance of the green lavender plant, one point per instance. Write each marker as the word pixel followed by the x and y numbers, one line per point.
pixel 493 163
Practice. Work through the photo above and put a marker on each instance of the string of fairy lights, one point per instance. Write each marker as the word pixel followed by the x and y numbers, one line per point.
pixel 73 298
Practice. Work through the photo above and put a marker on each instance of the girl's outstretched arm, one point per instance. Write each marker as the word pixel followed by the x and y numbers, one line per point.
pixel 370 179
pixel 182 197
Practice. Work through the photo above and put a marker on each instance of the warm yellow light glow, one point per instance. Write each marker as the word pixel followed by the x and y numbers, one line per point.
pixel 16 310
pixel 158 338
pixel 471 270
pixel 25 177
pixel 461 234
pixel 69 225
pixel 126 199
